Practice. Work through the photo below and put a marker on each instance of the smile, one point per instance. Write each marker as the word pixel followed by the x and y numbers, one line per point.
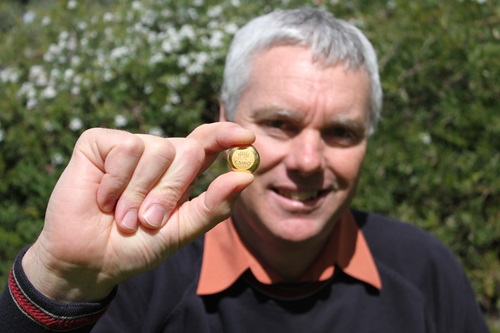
pixel 300 195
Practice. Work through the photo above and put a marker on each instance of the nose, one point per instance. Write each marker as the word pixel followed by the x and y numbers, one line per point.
pixel 306 153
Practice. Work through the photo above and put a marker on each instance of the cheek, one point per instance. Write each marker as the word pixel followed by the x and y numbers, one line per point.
pixel 346 163
pixel 271 154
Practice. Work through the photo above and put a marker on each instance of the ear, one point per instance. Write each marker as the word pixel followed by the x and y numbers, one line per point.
pixel 222 113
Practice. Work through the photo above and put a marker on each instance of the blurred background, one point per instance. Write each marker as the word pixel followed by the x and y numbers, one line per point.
pixel 155 66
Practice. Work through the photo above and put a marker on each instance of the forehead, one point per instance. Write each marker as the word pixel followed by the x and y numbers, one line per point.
pixel 285 81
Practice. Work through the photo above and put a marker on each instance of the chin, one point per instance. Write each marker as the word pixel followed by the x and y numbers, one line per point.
pixel 298 230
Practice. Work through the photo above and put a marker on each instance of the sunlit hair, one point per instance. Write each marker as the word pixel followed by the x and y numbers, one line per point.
pixel 330 40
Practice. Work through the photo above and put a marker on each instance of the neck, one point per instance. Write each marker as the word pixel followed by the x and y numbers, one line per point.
pixel 286 259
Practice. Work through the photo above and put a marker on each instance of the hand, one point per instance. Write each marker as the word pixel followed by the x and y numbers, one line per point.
pixel 120 207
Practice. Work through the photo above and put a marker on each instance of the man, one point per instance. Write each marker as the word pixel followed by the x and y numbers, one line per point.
pixel 120 231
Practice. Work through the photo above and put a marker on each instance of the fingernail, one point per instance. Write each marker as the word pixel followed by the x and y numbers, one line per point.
pixel 154 216
pixel 129 221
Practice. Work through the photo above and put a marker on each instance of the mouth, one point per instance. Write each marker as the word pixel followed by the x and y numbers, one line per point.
pixel 303 196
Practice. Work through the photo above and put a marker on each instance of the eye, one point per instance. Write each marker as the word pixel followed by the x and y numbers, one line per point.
pixel 274 123
pixel 279 128
pixel 343 136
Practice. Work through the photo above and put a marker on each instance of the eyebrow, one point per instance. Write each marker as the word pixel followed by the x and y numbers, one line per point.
pixel 276 113
pixel 354 124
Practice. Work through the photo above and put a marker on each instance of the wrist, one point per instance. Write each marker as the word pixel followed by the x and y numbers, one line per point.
pixel 59 282
pixel 53 315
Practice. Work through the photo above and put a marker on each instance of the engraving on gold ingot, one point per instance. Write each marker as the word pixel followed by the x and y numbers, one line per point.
pixel 245 159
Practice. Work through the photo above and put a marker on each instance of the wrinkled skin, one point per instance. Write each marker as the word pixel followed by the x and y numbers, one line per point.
pixel 311 124
pixel 120 207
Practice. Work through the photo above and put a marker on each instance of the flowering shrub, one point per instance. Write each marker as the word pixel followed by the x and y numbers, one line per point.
pixel 155 66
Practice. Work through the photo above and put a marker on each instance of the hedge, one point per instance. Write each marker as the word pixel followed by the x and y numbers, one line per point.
pixel 155 67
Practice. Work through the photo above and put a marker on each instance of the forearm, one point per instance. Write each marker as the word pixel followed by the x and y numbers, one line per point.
pixel 24 309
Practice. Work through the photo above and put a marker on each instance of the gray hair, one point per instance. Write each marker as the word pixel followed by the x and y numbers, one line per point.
pixel 330 40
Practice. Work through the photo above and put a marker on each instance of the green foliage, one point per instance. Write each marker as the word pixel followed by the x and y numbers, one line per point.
pixel 155 67
pixel 435 158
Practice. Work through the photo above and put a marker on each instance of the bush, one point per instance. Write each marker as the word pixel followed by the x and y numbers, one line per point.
pixel 155 67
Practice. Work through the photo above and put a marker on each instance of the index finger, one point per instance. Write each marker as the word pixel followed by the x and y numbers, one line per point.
pixel 219 136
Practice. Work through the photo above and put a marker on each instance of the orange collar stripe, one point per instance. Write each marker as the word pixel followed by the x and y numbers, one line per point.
pixel 225 258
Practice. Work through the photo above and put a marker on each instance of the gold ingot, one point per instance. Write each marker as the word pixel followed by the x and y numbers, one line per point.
pixel 245 159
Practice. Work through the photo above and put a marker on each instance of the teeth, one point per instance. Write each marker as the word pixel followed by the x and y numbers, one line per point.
pixel 299 195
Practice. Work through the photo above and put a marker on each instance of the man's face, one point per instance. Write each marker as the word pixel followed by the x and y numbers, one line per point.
pixel 311 124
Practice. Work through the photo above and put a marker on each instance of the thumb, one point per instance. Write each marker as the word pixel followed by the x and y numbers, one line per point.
pixel 213 206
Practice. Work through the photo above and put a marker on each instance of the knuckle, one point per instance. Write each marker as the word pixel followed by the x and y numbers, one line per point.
pixel 163 151
pixel 193 149
pixel 203 128
pixel 131 145
pixel 170 197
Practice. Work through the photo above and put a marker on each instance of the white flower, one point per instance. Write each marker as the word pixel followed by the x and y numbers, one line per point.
pixel 63 35
pixel 46 21
pixel 108 17
pixel 183 79
pixel 156 58
pixel 183 60
pixel 108 75
pixel 9 75
pixel 84 42
pixel 148 18
pixel 175 98
pixel 214 11
pixel 120 121
pixel 391 4
pixel 166 13
pixel 75 90
pixel 55 74
pixel 166 108
pixel 152 37
pixel 68 74
pixel 57 159
pixel 48 57
pixel 75 61
pixel 27 90
pixel 171 44
pixel 199 63
pixel 38 76
pixel 71 44
pixel 48 126
pixel 62 59
pixel 77 79
pixel 231 28
pixel 216 41
pixel 187 32
pixel 82 25
pixel 31 103
pixel 28 17
pixel 193 14
pixel 156 131
pixel 426 138
pixel 119 52
pixel 48 93
pixel 108 32
pixel 75 124
pixel 72 4
pixel 148 89
pixel 136 5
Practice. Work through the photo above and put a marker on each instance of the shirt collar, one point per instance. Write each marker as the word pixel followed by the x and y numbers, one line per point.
pixel 225 258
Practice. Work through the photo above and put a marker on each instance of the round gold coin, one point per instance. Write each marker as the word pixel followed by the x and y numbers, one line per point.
pixel 244 159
